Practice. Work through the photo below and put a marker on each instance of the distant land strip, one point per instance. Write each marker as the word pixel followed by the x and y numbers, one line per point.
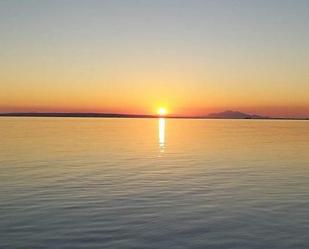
pixel 221 115
pixel 75 115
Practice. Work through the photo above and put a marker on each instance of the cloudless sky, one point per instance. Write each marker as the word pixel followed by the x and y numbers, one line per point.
pixel 130 56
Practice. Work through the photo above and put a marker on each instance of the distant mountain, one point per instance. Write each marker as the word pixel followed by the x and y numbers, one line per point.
pixel 234 115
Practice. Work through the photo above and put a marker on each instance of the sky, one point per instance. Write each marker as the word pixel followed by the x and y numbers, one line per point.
pixel 132 56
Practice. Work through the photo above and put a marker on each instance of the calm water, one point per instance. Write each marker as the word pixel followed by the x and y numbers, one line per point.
pixel 147 183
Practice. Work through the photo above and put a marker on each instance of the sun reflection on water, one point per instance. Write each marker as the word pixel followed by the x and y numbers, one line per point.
pixel 162 134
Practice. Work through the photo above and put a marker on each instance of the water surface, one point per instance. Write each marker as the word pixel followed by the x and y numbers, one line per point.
pixel 148 183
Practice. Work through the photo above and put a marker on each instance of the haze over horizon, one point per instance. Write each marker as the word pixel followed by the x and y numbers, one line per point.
pixel 192 57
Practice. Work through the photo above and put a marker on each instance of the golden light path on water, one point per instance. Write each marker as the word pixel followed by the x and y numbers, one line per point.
pixel 162 134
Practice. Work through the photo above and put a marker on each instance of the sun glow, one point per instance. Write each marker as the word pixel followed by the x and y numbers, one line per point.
pixel 162 111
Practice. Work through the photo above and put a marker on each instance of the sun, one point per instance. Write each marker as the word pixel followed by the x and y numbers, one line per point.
pixel 162 111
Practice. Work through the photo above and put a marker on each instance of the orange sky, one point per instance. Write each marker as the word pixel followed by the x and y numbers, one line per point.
pixel 193 57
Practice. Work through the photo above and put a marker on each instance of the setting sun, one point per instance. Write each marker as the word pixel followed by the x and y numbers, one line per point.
pixel 162 111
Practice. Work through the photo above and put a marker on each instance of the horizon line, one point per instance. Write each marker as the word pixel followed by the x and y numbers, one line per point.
pixel 125 115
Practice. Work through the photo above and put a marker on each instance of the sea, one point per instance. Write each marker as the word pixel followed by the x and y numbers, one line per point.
pixel 153 183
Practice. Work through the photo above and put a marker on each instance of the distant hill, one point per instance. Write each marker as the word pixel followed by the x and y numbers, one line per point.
pixel 234 115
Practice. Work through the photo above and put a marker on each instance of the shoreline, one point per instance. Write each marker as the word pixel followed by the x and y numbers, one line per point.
pixel 116 115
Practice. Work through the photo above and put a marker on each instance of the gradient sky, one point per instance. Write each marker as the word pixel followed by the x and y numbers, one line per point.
pixel 193 57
